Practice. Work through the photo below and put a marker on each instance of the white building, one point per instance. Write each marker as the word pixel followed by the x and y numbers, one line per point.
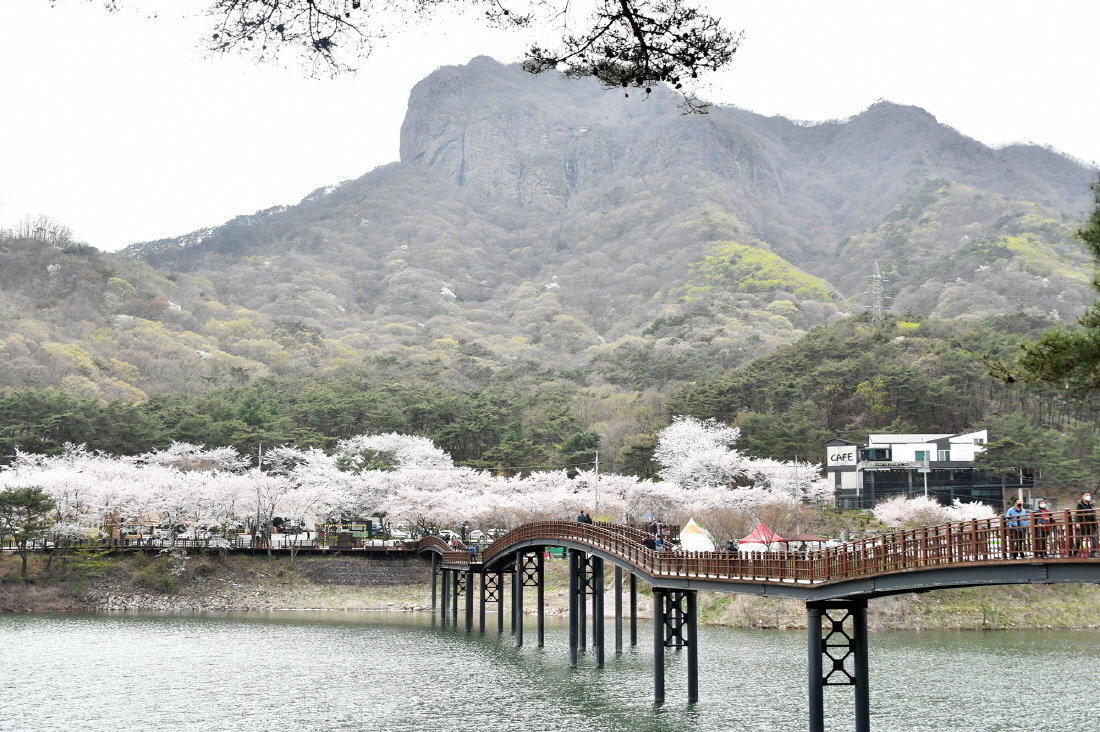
pixel 936 465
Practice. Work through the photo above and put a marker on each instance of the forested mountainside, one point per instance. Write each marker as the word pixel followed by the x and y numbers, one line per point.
pixel 845 379
pixel 540 230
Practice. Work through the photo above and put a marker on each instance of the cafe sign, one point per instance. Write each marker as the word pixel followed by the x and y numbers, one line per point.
pixel 843 455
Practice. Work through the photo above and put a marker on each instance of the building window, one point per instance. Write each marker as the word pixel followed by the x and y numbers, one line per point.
pixel 945 455
pixel 875 453
pixel 979 441
pixel 921 456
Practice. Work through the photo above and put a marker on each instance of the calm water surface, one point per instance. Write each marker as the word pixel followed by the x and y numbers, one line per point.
pixel 344 671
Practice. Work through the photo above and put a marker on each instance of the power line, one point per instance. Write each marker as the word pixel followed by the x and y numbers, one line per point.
pixel 513 467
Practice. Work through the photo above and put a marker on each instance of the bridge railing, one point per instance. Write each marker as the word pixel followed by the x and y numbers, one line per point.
pixel 236 544
pixel 1068 535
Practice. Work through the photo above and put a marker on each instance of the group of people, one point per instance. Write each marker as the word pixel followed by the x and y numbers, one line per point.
pixel 1034 526
pixel 658 543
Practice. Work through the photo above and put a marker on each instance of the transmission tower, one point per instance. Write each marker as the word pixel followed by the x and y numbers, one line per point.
pixel 878 297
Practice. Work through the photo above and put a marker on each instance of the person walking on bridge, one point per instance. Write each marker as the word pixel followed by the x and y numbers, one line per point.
pixel 1042 519
pixel 1017 522
pixel 1084 519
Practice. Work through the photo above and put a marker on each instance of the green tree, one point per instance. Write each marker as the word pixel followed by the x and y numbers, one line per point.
pixel 578 452
pixel 1066 359
pixel 1024 447
pixel 23 514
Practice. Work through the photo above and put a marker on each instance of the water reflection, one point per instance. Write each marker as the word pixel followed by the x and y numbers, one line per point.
pixel 345 671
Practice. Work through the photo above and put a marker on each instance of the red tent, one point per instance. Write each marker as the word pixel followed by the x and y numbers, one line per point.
pixel 762 539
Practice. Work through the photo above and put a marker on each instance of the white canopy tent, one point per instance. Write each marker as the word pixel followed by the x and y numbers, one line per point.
pixel 694 538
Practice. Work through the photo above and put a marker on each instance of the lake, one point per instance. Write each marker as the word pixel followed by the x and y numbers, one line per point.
pixel 353 671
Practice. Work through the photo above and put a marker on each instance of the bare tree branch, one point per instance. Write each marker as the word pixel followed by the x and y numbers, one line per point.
pixel 625 43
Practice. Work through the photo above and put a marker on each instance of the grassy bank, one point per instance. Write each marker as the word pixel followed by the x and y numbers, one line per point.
pixel 135 582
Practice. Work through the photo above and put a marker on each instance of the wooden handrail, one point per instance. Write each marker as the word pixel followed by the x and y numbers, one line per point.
pixel 1070 534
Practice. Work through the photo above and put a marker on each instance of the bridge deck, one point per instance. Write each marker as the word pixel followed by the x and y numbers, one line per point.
pixel 950 555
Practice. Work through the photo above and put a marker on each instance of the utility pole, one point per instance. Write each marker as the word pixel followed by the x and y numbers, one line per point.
pixel 597 482
pixel 259 460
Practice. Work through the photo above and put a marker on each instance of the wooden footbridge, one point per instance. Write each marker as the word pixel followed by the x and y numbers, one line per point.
pixel 835 584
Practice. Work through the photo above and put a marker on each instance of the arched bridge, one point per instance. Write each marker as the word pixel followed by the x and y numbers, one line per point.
pixel 835 583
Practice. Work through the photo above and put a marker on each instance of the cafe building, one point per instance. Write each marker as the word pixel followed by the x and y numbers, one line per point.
pixel 940 466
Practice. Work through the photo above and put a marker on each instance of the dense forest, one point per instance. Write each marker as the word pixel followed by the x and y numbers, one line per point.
pixel 846 379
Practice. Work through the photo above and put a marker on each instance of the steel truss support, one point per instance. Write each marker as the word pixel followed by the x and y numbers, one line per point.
pixel 586 577
pixel 492 590
pixel 675 626
pixel 844 644
pixel 528 573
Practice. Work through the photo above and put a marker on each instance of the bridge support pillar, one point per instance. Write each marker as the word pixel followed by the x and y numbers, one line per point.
pixel 575 559
pixel 435 580
pixel 481 592
pixel 458 584
pixel 658 646
pixel 633 609
pixel 540 596
pixel 516 592
pixel 469 599
pixel 618 609
pixel 675 626
pixel 500 601
pixel 598 620
pixel 582 614
pixel 445 596
pixel 844 644
pixel 517 598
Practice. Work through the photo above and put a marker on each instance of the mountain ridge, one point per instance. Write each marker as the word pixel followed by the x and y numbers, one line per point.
pixel 546 220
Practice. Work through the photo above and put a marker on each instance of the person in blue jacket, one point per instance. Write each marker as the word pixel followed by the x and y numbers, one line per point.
pixel 1018 522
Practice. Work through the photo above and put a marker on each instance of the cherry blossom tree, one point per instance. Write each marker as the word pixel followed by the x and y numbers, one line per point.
pixel 696 453
pixel 965 511
pixel 790 480
pixel 391 450
pixel 186 456
pixel 900 512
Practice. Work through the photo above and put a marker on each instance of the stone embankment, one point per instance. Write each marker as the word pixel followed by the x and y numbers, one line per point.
pixel 198 584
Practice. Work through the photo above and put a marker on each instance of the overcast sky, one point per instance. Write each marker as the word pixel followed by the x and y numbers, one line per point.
pixel 121 128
